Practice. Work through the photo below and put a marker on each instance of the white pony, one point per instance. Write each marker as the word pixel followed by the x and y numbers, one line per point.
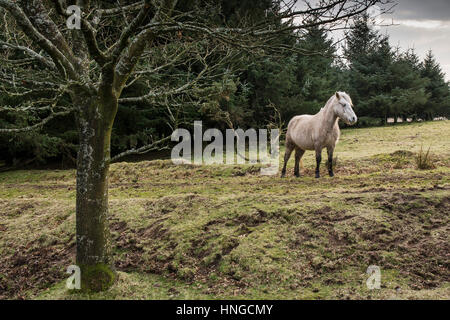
pixel 307 132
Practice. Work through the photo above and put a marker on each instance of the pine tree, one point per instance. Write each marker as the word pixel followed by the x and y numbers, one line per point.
pixel 369 57
pixel 409 94
pixel 315 70
pixel 382 81
pixel 360 41
pixel 437 88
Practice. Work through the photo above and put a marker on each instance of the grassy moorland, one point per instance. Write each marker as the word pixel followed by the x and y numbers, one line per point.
pixel 208 232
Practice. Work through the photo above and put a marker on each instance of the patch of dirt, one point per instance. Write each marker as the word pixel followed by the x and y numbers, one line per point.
pixel 205 253
pixel 125 241
pixel 253 219
pixel 244 221
pixel 356 200
pixel 327 216
pixel 301 236
pixel 418 253
pixel 239 171
pixel 339 239
pixel 197 249
pixel 33 269
pixel 139 249
pixel 164 205
pixel 412 239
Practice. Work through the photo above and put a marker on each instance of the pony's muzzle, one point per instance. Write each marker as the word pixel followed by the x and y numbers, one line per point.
pixel 351 120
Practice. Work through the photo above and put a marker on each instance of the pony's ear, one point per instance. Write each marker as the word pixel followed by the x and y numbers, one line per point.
pixel 338 95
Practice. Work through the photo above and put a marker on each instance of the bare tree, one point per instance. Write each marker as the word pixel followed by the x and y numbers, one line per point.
pixel 56 71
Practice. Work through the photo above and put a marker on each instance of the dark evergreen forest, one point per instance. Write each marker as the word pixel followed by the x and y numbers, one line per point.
pixel 253 89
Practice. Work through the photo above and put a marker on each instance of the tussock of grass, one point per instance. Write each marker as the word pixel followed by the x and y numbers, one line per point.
pixel 424 160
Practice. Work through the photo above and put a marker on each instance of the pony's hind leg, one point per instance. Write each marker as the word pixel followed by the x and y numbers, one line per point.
pixel 298 156
pixel 289 148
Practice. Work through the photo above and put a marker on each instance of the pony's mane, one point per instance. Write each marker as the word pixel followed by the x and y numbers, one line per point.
pixel 346 97
pixel 329 102
pixel 333 97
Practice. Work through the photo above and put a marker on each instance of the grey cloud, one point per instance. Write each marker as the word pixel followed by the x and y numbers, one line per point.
pixel 422 40
pixel 422 10
pixel 422 36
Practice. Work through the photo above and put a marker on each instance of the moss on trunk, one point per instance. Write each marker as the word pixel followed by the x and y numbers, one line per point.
pixel 96 278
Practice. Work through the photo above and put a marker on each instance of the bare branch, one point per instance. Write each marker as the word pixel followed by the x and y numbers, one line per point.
pixel 37 125
pixel 31 53
pixel 122 43
pixel 60 60
pixel 131 56
pixel 164 92
pixel 131 7
pixel 142 150
pixel 91 42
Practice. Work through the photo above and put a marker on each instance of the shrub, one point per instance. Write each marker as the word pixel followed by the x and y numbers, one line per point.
pixel 424 160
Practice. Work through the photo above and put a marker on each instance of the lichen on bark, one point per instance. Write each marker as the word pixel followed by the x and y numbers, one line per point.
pixel 95 119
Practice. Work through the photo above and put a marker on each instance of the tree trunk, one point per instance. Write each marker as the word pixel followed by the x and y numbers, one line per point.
pixel 94 257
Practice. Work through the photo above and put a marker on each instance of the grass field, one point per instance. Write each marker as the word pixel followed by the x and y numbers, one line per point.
pixel 209 232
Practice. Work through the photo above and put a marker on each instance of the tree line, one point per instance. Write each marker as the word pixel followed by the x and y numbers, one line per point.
pixel 254 90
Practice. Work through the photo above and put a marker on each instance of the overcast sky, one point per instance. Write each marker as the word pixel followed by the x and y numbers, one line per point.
pixel 422 25
pixel 419 24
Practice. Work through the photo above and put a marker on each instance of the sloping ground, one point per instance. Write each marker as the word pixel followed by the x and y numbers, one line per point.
pixel 227 232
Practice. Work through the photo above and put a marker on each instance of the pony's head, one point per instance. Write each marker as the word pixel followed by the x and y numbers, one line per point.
pixel 343 108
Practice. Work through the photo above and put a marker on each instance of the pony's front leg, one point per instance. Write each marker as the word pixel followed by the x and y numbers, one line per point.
pixel 318 160
pixel 330 161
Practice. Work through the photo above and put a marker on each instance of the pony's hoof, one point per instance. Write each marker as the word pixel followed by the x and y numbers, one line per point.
pixel 317 176
pixel 331 174
pixel 297 175
pixel 282 175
